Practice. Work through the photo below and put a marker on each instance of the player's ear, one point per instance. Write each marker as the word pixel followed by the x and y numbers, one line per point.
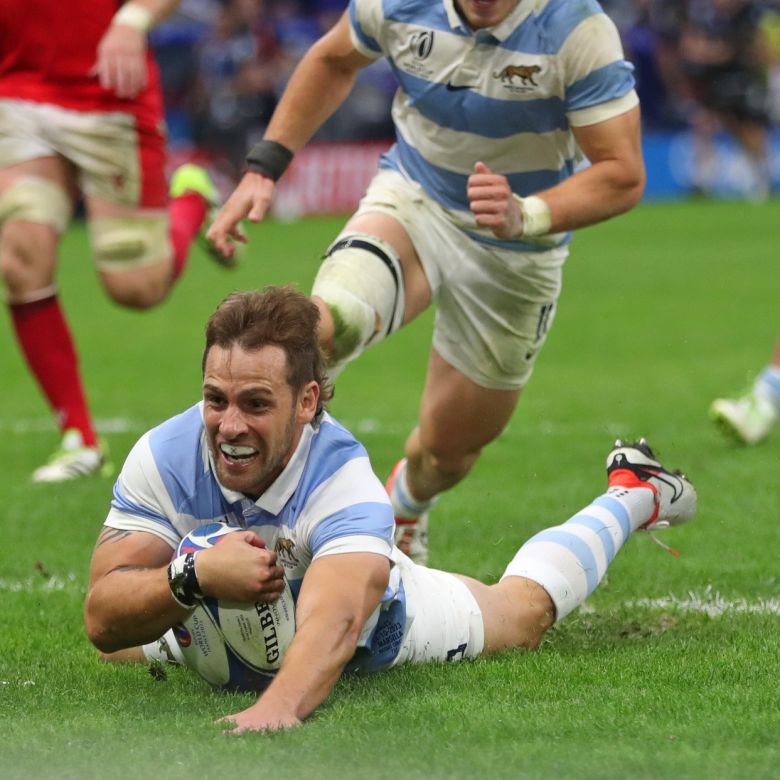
pixel 308 399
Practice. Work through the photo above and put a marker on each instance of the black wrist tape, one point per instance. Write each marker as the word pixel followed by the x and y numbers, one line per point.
pixel 269 158
pixel 183 581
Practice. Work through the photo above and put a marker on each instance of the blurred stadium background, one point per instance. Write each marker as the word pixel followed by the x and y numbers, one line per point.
pixel 225 62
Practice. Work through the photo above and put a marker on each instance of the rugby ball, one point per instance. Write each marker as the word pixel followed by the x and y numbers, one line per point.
pixel 236 647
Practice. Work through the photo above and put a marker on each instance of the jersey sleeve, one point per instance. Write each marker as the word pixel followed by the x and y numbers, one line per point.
pixel 141 502
pixel 599 82
pixel 365 19
pixel 349 512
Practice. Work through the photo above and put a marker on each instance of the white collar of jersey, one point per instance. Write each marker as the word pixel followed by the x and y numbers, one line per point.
pixel 502 31
pixel 278 494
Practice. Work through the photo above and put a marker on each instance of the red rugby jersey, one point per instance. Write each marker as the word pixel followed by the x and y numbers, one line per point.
pixel 49 47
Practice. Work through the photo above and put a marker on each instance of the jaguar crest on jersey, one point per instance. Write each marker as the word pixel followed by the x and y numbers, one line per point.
pixel 525 73
pixel 285 549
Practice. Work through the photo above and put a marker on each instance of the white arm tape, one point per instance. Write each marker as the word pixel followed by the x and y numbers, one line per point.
pixel 134 15
pixel 537 218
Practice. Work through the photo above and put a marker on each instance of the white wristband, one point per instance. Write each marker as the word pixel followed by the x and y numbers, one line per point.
pixel 134 15
pixel 537 218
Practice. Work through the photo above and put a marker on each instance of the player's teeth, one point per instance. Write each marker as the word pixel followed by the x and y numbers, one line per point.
pixel 236 452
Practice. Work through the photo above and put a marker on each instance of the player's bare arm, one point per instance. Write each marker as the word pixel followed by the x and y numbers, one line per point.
pixel 338 594
pixel 120 63
pixel 612 184
pixel 318 86
pixel 129 600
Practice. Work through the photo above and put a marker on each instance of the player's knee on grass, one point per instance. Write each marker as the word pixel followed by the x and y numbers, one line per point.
pixel 361 283
pixel 525 616
pixel 133 256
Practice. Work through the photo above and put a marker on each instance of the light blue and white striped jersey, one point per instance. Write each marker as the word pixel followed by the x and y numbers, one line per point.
pixel 326 501
pixel 507 96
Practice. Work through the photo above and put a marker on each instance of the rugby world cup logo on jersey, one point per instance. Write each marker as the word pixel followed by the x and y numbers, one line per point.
pixel 420 47
pixel 421 44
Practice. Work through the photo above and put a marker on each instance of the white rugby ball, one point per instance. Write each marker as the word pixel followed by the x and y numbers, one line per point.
pixel 238 647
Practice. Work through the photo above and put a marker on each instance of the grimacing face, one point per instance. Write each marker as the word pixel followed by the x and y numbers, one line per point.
pixel 253 418
pixel 485 13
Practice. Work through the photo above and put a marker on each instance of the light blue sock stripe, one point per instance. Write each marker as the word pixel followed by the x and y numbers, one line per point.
pixel 409 506
pixel 614 507
pixel 577 547
pixel 768 378
pixel 401 496
pixel 602 531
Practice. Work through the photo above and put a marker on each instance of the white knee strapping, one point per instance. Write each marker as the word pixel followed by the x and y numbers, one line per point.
pixel 361 282
pixel 122 243
pixel 35 199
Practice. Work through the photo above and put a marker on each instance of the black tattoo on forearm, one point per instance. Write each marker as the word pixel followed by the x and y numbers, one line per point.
pixel 112 535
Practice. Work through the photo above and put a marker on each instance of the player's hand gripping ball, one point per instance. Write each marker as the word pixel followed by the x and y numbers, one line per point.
pixel 237 647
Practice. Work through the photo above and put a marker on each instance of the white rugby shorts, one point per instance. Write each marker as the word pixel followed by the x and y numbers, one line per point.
pixel 444 621
pixel 494 306
pixel 115 161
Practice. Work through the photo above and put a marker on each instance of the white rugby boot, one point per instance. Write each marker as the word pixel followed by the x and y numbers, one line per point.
pixel 634 466
pixel 747 419
pixel 73 460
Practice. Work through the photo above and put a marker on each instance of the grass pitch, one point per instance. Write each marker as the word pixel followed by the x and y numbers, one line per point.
pixel 670 669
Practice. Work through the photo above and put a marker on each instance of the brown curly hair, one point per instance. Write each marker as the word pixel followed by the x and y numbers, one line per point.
pixel 278 315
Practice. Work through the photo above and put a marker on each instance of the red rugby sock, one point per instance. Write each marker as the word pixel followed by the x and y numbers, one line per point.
pixel 186 215
pixel 46 343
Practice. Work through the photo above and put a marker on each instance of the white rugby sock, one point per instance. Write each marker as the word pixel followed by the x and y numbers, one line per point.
pixel 570 560
pixel 404 503
pixel 768 386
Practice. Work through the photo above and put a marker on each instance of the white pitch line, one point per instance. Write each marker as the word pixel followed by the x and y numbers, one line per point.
pixel 712 604
pixel 360 426
pixel 365 425
pixel 41 584
pixel 46 425
pixel 709 602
